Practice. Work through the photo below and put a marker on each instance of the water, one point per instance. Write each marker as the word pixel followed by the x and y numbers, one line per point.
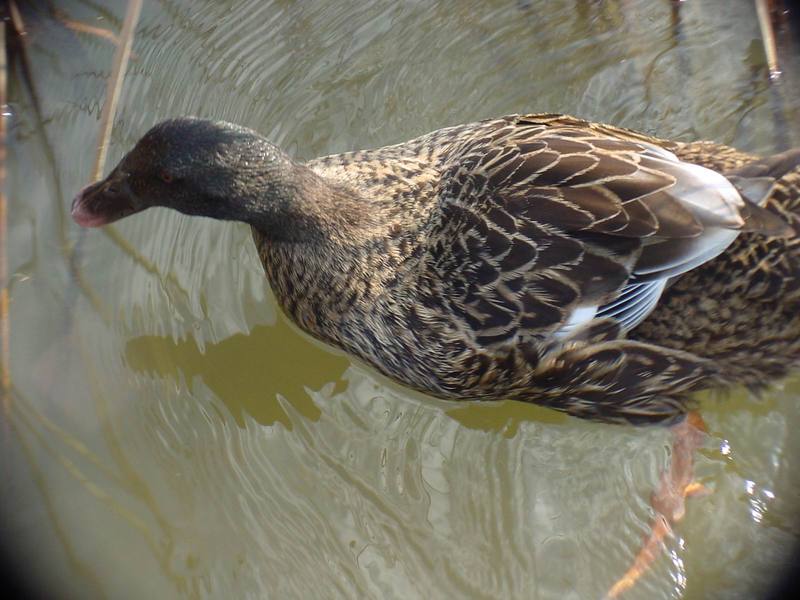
pixel 172 435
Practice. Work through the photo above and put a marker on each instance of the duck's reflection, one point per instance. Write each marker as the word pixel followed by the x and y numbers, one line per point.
pixel 247 372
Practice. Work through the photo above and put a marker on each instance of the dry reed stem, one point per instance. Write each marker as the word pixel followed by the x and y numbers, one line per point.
pixel 114 87
pixel 16 19
pixel 113 91
pixel 768 36
pixel 5 372
pixel 79 27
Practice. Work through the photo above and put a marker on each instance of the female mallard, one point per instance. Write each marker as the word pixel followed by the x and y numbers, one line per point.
pixel 540 258
pixel 509 258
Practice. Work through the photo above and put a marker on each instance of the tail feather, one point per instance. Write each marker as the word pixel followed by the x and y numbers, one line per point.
pixel 755 182
pixel 775 166
pixel 755 190
pixel 764 221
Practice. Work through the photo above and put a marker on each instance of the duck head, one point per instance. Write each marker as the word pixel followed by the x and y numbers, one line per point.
pixel 199 167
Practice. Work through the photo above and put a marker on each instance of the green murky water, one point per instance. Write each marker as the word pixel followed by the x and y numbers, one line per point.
pixel 172 435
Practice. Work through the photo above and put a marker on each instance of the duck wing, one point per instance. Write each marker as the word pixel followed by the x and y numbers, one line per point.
pixel 546 221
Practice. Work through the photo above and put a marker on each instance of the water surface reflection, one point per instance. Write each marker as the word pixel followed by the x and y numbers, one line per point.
pixel 172 435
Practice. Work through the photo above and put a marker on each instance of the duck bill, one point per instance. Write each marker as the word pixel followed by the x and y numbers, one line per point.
pixel 103 202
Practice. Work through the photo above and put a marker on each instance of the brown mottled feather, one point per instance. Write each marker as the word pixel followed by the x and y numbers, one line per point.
pixel 483 240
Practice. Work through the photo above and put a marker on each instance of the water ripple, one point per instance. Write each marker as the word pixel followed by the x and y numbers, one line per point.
pixel 224 452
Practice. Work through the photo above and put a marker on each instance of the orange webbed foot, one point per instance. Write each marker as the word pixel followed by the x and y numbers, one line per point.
pixel 676 485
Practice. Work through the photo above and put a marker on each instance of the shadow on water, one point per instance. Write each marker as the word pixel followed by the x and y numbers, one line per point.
pixel 239 368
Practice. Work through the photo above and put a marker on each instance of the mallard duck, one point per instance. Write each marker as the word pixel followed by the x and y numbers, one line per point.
pixel 540 258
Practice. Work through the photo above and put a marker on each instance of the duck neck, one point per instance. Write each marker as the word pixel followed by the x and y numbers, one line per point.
pixel 324 258
pixel 287 202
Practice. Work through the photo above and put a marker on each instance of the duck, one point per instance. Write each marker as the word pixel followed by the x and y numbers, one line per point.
pixel 541 258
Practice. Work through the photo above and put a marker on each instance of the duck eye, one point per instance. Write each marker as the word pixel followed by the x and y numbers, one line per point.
pixel 166 177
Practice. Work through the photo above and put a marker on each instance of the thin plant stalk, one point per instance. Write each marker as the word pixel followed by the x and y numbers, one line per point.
pixel 114 87
pixel 5 372
pixel 768 36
